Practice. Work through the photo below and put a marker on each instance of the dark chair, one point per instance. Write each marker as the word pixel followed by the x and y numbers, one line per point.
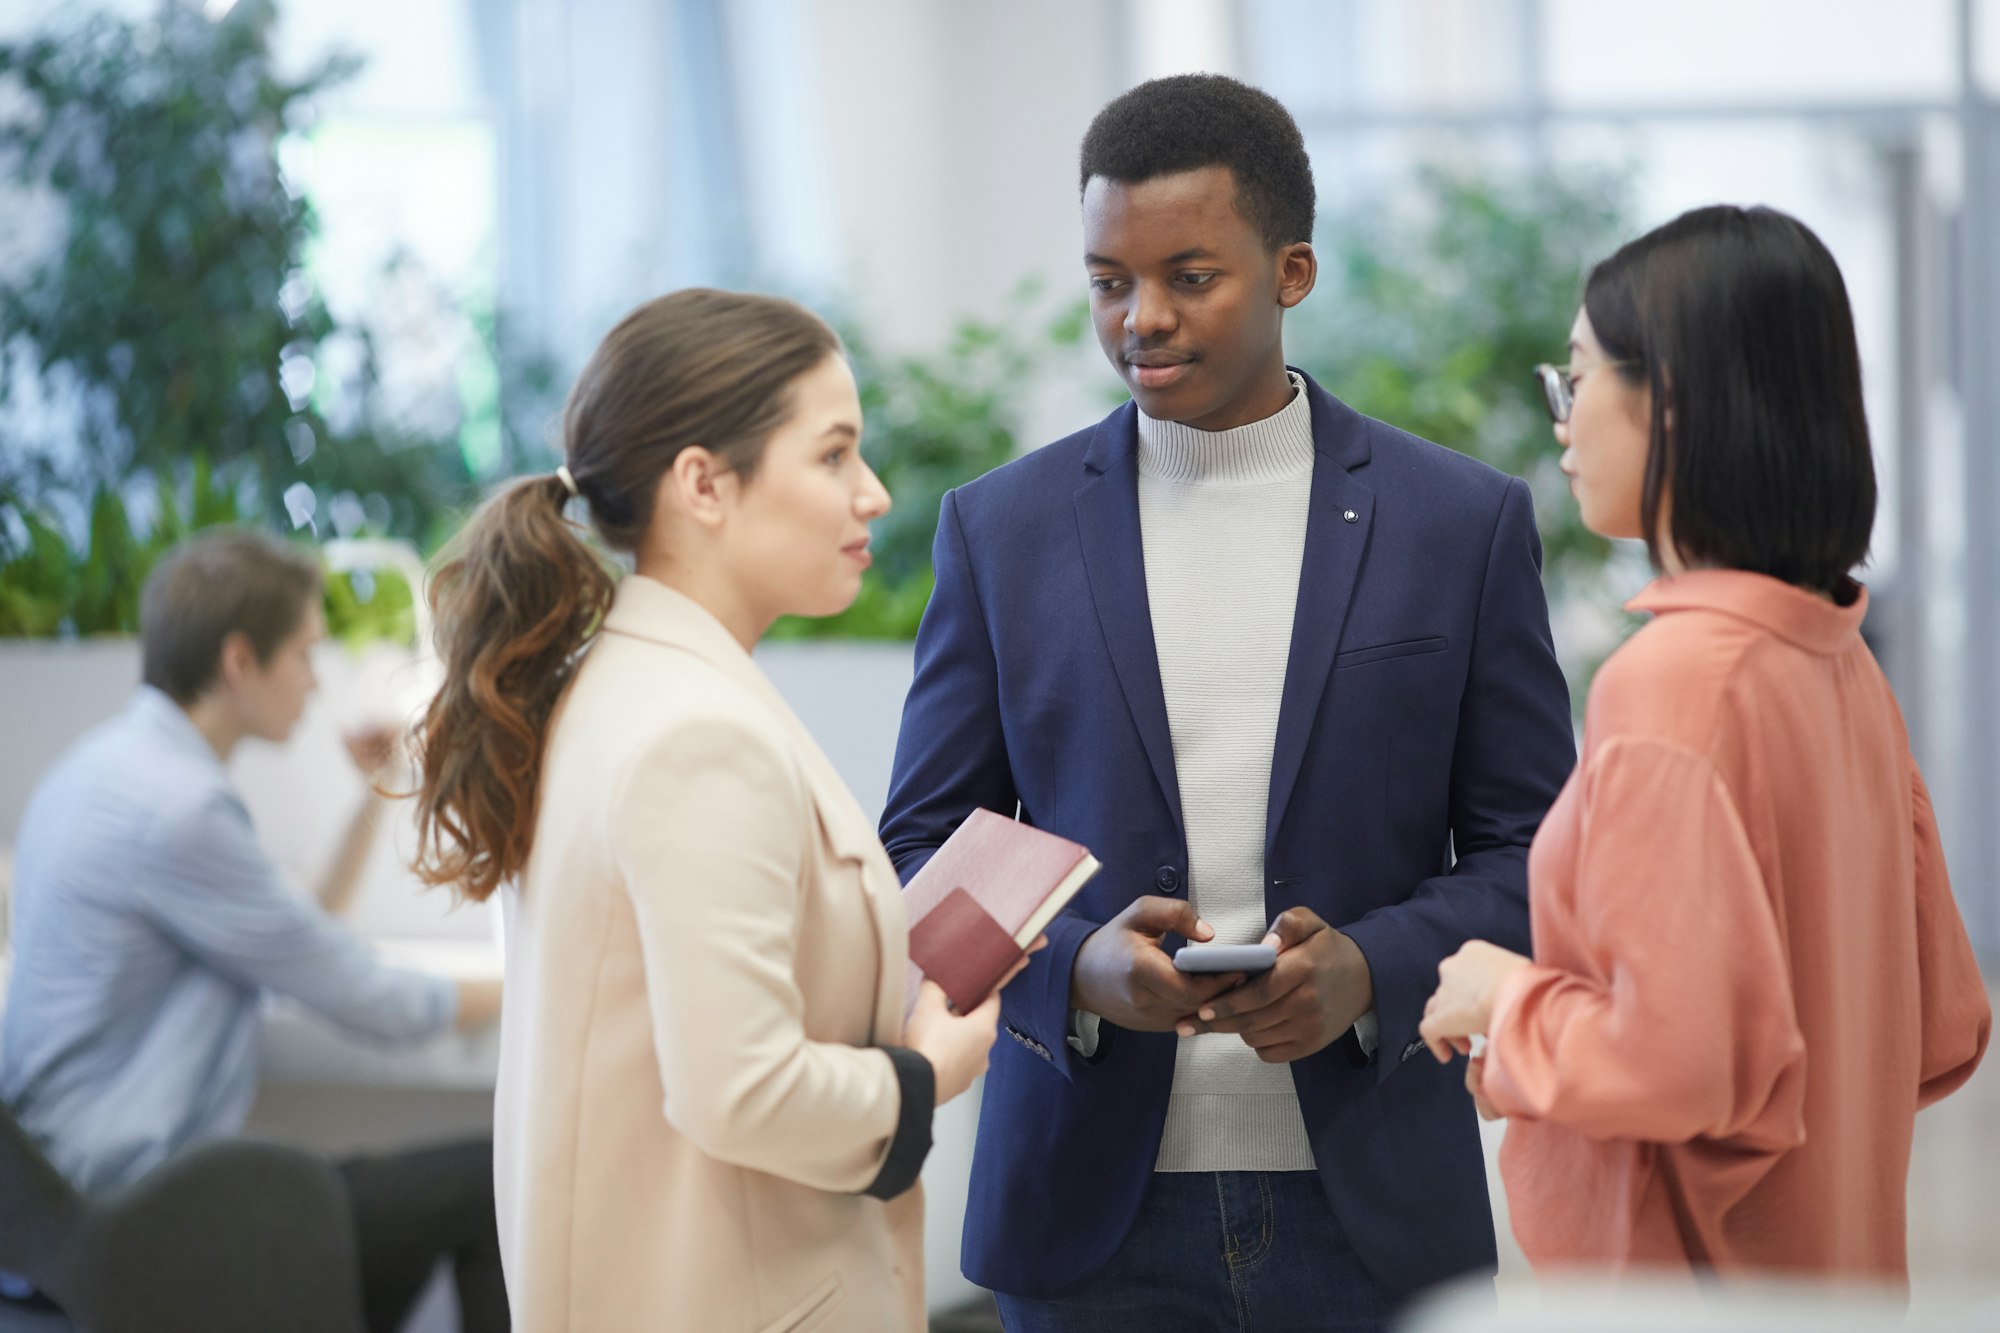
pixel 233 1237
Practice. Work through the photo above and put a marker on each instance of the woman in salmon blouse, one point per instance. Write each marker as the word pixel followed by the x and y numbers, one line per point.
pixel 1749 972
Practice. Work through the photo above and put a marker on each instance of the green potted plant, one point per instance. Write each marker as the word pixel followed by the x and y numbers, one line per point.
pixel 1431 313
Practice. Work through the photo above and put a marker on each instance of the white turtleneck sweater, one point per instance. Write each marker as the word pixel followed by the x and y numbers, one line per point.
pixel 1223 527
pixel 1222 519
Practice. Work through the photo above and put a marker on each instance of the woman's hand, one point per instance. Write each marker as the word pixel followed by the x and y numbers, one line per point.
pixel 957 1045
pixel 1475 1083
pixel 1462 1006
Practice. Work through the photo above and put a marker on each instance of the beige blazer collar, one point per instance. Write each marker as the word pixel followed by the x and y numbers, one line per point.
pixel 648 609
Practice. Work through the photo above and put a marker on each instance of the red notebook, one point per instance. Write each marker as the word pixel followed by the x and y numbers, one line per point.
pixel 982 899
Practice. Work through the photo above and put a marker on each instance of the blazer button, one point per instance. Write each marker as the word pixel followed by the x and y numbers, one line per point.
pixel 1168 878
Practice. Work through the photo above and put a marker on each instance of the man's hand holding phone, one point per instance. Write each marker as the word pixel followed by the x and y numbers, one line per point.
pixel 1249 959
pixel 1124 976
pixel 1319 985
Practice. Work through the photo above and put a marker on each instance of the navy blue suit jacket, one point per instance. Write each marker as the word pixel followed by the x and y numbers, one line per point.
pixel 1423 731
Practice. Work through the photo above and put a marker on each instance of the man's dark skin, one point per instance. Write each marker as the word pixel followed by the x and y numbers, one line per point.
pixel 1189 300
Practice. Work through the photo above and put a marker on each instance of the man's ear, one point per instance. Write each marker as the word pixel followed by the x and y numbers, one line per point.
pixel 237 659
pixel 1298 270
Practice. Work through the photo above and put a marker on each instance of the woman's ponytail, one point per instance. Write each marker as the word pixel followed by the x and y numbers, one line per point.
pixel 515 601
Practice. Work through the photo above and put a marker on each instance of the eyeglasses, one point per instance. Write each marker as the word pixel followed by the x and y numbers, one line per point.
pixel 1559 387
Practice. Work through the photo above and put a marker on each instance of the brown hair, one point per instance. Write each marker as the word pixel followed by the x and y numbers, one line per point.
pixel 519 594
pixel 210 587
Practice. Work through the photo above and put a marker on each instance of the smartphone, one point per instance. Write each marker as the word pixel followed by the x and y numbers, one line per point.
pixel 1225 957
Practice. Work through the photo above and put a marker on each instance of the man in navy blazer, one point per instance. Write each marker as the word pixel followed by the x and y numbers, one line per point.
pixel 1416 728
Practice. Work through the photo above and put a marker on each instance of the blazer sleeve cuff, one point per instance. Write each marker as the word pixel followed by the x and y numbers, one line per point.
pixel 917 1082
pixel 1036 1003
pixel 1397 968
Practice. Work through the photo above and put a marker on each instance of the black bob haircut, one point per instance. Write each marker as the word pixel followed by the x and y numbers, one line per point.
pixel 1191 121
pixel 1738 320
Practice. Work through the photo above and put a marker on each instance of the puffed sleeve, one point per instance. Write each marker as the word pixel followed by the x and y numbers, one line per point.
pixel 1957 1017
pixel 1679 1021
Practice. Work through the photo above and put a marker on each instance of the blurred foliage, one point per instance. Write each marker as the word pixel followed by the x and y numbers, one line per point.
pixel 935 422
pixel 176 314
pixel 371 606
pixel 527 398
pixel 37 581
pixel 49 585
pixel 1431 316
pixel 177 319
pixel 174 327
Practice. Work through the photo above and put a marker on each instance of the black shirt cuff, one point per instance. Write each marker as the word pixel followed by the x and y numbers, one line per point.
pixel 917 1082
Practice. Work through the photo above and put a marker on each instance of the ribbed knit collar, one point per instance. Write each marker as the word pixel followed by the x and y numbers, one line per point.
pixel 1278 448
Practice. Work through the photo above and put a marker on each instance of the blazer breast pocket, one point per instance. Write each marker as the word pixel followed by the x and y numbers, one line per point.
pixel 1383 652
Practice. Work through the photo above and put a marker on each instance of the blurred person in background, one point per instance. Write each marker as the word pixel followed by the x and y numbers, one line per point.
pixel 1749 972
pixel 712 1110
pixel 148 924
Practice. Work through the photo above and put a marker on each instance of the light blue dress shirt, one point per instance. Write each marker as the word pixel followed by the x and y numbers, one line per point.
pixel 147 922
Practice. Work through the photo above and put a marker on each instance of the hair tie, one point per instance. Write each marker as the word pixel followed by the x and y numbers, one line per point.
pixel 568 481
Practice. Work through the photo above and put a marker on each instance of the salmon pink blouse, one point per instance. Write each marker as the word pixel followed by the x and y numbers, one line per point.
pixel 1749 971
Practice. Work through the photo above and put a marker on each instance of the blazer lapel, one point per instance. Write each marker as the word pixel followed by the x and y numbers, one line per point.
pixel 1107 521
pixel 1339 518
pixel 650 610
pixel 853 838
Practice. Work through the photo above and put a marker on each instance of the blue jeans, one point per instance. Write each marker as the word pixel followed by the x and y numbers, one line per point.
pixel 1220 1252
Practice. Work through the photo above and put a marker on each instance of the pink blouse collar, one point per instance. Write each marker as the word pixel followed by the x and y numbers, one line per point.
pixel 1810 621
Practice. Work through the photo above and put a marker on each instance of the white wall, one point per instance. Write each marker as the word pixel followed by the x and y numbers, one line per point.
pixel 952 134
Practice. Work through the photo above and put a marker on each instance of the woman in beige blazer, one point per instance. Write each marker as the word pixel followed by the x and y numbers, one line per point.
pixel 711 1109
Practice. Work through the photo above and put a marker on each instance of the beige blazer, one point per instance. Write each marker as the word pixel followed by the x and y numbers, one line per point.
pixel 705 945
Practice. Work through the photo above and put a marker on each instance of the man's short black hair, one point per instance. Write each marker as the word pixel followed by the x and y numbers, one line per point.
pixel 1189 121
